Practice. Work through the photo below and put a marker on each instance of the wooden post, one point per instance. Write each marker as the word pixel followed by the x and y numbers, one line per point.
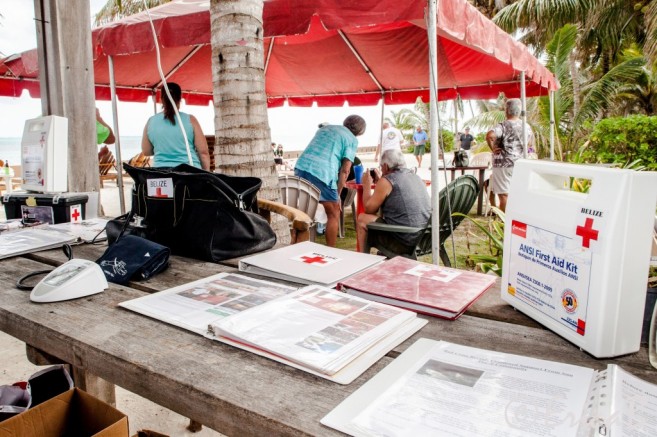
pixel 67 83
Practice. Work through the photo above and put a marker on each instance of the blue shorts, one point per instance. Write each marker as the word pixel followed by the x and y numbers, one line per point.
pixel 326 194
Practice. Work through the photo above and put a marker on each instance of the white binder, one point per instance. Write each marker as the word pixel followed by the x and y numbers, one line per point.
pixel 578 262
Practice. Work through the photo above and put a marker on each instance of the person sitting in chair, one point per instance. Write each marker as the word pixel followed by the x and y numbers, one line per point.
pixel 401 196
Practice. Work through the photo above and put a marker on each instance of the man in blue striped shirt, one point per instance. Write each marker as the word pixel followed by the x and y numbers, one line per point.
pixel 326 162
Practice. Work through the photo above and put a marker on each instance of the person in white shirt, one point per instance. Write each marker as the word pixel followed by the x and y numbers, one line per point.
pixel 391 138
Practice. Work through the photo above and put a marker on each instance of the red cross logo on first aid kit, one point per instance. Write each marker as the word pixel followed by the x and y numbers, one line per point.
pixel 75 214
pixel 315 259
pixel 587 232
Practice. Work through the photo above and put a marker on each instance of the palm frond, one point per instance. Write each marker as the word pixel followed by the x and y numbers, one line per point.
pixel 542 18
pixel 484 121
pixel 600 94
pixel 559 49
pixel 117 9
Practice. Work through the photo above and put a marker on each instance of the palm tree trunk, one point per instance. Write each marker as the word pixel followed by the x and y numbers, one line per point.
pixel 572 66
pixel 242 143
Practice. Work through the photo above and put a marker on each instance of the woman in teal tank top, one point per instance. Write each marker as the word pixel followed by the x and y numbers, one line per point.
pixel 163 136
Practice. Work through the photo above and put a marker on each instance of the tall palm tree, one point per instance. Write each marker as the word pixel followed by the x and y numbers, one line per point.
pixel 242 143
pixel 607 27
pixel 490 7
pixel 116 9
pixel 242 136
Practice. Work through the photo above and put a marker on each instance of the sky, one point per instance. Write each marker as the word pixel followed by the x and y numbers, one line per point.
pixel 293 127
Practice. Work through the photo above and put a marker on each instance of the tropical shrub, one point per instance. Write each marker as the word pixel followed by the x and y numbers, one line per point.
pixel 494 231
pixel 620 140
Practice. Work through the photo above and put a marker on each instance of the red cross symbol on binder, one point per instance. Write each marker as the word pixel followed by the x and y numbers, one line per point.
pixel 587 232
pixel 314 259
pixel 75 215
pixel 159 193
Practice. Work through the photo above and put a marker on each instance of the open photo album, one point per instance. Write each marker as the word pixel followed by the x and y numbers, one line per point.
pixel 316 329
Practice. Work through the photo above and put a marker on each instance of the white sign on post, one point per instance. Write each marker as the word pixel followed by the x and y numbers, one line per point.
pixel 578 262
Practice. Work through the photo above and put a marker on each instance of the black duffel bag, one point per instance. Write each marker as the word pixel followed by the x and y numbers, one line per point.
pixel 198 214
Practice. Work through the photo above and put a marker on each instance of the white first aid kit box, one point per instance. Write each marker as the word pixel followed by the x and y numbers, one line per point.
pixel 44 154
pixel 577 262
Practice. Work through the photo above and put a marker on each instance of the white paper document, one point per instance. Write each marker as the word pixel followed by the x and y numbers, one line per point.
pixel 85 231
pixel 442 389
pixel 31 240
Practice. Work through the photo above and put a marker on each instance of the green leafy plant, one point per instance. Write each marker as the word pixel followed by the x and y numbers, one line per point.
pixel 494 230
pixel 623 141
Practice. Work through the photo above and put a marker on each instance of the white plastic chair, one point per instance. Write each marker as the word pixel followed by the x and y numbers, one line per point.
pixel 300 194
pixel 479 160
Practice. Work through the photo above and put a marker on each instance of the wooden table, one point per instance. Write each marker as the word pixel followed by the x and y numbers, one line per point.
pixel 482 171
pixel 227 389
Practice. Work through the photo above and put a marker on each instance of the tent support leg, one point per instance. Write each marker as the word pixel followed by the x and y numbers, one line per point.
pixel 523 99
pixel 115 120
pixel 433 116
pixel 552 126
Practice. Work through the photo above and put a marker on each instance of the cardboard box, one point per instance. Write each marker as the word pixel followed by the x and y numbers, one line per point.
pixel 72 413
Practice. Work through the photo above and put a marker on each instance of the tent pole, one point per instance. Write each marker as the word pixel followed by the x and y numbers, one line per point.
pixel 523 113
pixel 383 108
pixel 360 59
pixel 457 140
pixel 115 120
pixel 552 126
pixel 433 123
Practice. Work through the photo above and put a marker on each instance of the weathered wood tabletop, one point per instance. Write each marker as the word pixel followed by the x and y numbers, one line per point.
pixel 227 389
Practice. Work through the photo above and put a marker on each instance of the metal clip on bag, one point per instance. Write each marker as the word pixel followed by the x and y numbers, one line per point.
pixel 198 214
pixel 123 225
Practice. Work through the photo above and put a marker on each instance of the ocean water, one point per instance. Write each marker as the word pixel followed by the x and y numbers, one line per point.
pixel 10 148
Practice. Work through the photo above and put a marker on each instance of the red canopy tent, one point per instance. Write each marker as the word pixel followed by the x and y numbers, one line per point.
pixel 324 51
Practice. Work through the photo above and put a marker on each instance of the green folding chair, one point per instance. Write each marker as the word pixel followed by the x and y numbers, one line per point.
pixel 463 193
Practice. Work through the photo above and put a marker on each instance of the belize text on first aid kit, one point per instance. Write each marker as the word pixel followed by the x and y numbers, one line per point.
pixel 577 262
